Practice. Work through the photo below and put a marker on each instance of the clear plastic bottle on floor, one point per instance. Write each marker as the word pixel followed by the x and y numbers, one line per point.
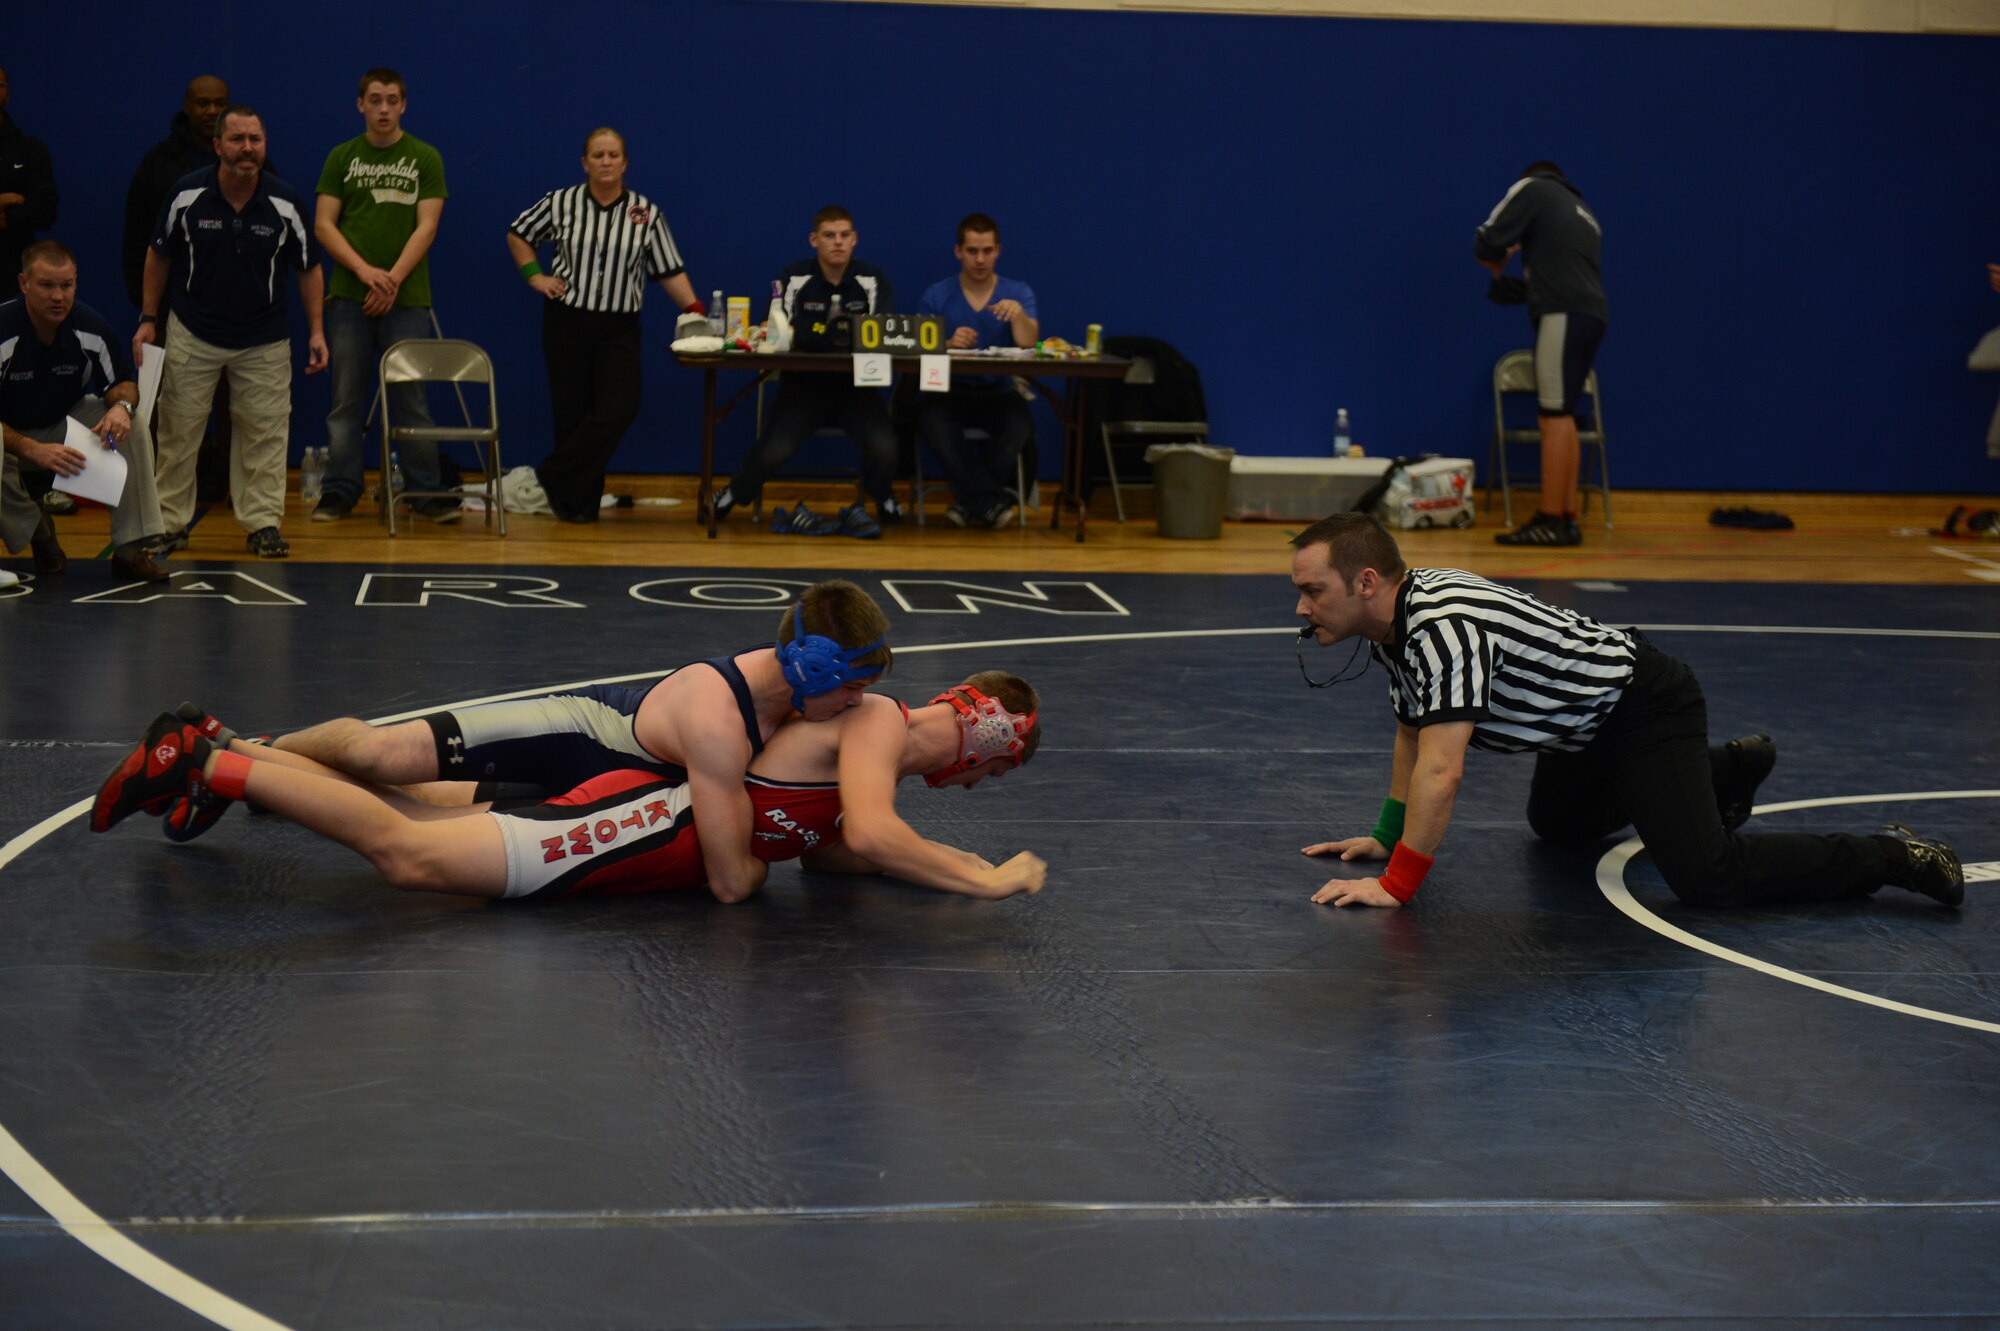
pixel 312 474
pixel 395 473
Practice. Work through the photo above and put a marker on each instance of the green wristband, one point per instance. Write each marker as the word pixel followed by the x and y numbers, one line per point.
pixel 530 270
pixel 1389 826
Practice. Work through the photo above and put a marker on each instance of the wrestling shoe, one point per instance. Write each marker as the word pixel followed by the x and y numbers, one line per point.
pixel 1543 529
pixel 151 775
pixel 854 521
pixel 801 521
pixel 1750 760
pixel 1933 870
pixel 194 812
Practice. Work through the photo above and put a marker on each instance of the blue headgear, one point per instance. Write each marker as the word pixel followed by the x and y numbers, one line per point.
pixel 814 664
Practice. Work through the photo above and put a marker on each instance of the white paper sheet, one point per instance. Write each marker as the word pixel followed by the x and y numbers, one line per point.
pixel 934 374
pixel 152 360
pixel 103 474
pixel 873 369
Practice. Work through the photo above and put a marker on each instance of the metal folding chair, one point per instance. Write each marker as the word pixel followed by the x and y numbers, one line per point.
pixel 459 363
pixel 1515 373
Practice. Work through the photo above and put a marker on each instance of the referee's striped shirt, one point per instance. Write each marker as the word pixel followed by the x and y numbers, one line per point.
pixel 605 253
pixel 1527 674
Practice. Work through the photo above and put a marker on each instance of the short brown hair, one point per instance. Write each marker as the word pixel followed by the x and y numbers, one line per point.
pixel 599 133
pixel 1354 541
pixel 382 74
pixel 236 111
pixel 840 610
pixel 51 252
pixel 833 212
pixel 1016 695
pixel 977 222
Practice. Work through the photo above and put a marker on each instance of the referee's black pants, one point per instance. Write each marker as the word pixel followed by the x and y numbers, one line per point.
pixel 594 375
pixel 1650 766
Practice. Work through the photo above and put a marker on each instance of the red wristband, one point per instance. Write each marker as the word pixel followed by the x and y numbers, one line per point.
pixel 231 770
pixel 696 308
pixel 1405 873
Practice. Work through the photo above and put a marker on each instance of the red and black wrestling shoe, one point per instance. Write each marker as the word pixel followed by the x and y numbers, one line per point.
pixel 151 775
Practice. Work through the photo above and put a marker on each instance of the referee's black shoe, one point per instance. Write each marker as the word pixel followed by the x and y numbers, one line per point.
pixel 1746 762
pixel 1933 867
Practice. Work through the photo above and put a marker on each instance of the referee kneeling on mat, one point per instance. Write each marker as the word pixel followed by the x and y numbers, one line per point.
pixel 1619 730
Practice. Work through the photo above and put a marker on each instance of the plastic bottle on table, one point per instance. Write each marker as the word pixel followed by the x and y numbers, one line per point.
pixel 777 328
pixel 1343 436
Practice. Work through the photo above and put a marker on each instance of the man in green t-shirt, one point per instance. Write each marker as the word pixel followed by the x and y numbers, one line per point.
pixel 380 197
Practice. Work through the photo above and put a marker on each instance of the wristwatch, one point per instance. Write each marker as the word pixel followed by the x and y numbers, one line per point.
pixel 149 318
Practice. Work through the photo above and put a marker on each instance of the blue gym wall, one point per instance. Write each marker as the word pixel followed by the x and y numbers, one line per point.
pixel 1796 223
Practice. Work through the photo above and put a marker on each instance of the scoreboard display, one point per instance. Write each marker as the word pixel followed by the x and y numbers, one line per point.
pixel 897 334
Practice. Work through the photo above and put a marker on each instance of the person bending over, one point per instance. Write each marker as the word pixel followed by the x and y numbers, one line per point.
pixel 1619 731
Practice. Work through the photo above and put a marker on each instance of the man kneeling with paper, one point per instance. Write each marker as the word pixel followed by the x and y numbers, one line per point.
pixel 69 403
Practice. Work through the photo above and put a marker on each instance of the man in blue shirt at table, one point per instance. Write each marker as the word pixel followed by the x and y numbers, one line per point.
pixel 817 295
pixel 982 309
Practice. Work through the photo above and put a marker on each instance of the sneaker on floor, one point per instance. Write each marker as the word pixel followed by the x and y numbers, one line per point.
pixel 1543 529
pixel 801 521
pixel 137 564
pixel 1750 761
pixel 957 516
pixel 1933 870
pixel 854 521
pixel 999 515
pixel 10 579
pixel 332 508
pixel 720 502
pixel 267 542
pixel 150 776
pixel 437 509
pixel 49 557
pixel 888 512
pixel 59 502
pixel 168 542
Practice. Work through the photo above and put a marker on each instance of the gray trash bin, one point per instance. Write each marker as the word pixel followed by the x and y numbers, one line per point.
pixel 1190 489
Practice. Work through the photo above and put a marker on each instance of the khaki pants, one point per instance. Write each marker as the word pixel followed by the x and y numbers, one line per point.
pixel 260 409
pixel 138 513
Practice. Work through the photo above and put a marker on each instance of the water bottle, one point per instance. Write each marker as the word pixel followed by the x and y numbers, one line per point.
pixel 312 474
pixel 395 473
pixel 777 328
pixel 1343 435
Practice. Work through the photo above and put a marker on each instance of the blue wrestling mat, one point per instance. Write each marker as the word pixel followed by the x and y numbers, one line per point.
pixel 243 1083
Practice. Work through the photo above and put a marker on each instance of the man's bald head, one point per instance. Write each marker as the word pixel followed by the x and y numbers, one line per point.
pixel 207 97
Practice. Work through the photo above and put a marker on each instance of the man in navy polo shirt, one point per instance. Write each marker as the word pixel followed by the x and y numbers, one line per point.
pixel 982 309
pixel 58 359
pixel 224 240
pixel 816 294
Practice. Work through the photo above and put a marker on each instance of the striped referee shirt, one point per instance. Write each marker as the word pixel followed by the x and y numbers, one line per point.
pixel 605 253
pixel 1527 674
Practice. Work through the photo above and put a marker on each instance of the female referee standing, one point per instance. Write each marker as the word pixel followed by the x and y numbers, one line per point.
pixel 609 242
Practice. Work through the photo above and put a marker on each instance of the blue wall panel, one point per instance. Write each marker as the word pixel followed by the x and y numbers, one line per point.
pixel 1794 239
